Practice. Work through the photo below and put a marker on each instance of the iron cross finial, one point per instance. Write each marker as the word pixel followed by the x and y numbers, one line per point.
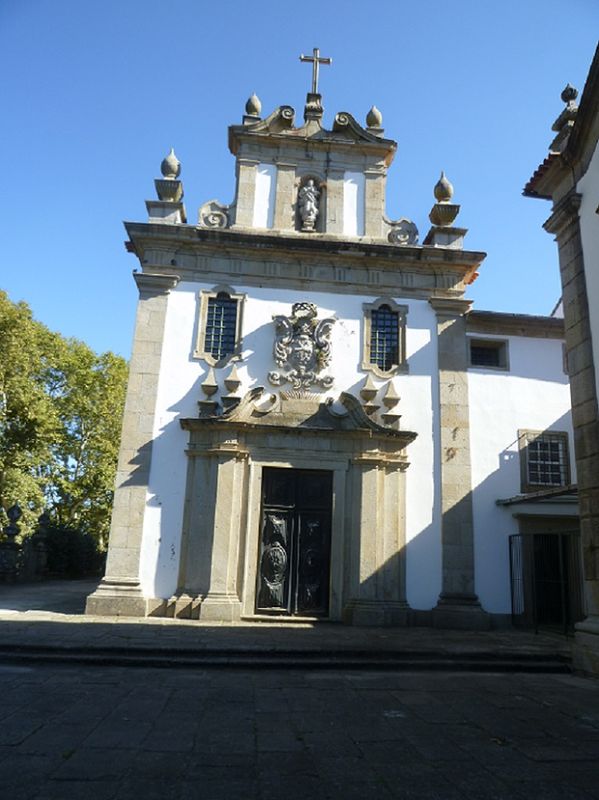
pixel 316 61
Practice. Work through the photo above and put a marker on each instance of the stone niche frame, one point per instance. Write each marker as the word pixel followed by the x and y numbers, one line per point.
pixel 302 177
pixel 200 344
pixel 222 520
pixel 402 312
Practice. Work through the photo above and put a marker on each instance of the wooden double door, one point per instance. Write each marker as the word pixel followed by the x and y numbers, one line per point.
pixel 294 559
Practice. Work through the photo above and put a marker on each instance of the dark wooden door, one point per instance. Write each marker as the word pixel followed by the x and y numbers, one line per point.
pixel 295 542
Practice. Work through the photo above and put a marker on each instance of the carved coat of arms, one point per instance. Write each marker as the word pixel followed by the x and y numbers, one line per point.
pixel 302 348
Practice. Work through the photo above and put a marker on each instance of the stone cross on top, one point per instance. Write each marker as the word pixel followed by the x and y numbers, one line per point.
pixel 316 61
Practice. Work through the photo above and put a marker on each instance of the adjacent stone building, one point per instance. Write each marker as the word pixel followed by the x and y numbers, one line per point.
pixel 317 424
pixel 569 177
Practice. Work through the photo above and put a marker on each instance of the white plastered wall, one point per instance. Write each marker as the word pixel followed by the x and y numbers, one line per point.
pixel 533 395
pixel 264 196
pixel 179 390
pixel 588 187
pixel 354 187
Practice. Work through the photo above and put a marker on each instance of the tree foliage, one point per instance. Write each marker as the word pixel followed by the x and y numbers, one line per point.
pixel 61 406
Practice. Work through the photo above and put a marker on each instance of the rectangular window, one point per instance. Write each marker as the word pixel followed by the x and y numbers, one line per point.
pixel 544 459
pixel 384 343
pixel 219 326
pixel 384 338
pixel 489 353
pixel 353 203
pixel 264 196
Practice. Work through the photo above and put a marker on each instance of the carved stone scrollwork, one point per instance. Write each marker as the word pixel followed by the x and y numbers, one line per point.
pixel 302 348
pixel 214 215
pixel 403 232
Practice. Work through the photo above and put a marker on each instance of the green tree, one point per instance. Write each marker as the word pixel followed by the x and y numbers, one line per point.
pixel 60 423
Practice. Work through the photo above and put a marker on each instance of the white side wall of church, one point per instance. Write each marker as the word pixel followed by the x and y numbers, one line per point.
pixel 179 390
pixel 533 395
pixel 588 186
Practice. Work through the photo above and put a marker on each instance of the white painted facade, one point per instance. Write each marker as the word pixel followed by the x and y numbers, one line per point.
pixel 588 187
pixel 533 394
pixel 264 196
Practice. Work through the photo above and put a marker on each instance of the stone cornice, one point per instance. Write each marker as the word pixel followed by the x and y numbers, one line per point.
pixel 152 284
pixel 494 322
pixel 564 213
pixel 329 263
pixel 450 307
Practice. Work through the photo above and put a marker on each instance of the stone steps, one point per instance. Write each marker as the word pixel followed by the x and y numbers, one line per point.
pixel 267 658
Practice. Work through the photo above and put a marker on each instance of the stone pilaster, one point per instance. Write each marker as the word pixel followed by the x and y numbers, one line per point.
pixel 374 202
pixel 284 217
pixel 119 592
pixel 378 570
pixel 564 223
pixel 334 210
pixel 246 191
pixel 458 605
pixel 210 567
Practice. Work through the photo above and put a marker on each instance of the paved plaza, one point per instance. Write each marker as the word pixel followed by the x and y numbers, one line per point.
pixel 114 733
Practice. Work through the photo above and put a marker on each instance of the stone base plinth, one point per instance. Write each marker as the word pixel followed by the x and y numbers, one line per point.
pixel 585 653
pixel 117 597
pixel 461 613
pixel 220 608
pixel 376 613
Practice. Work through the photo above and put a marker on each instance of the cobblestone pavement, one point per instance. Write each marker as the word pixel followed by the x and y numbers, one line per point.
pixel 117 733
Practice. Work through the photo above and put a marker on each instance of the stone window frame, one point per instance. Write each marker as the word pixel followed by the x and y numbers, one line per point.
pixel 200 348
pixel 500 345
pixel 402 313
pixel 525 437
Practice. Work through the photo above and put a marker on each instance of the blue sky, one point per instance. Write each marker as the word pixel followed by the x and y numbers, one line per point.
pixel 95 93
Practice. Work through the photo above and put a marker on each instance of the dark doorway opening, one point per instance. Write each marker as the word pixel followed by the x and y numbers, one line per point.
pixel 295 542
pixel 546 580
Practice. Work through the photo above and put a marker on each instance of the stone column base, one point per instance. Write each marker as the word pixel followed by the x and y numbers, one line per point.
pixel 585 653
pixel 117 597
pixel 378 613
pixel 220 608
pixel 460 612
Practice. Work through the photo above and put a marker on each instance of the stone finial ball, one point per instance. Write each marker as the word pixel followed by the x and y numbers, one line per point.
pixel 171 166
pixel 253 107
pixel 374 118
pixel 569 94
pixel 443 190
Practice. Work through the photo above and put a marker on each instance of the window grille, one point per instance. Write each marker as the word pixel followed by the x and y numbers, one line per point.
pixel 221 326
pixel 384 338
pixel 547 460
pixel 491 353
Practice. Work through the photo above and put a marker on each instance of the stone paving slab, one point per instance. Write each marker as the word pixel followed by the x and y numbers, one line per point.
pixel 118 734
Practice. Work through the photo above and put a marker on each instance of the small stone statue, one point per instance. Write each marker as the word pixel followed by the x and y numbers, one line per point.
pixel 308 204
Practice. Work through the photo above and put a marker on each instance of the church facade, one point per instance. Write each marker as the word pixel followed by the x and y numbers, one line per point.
pixel 318 425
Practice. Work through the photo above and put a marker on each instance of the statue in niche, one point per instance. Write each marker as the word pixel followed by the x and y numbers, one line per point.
pixel 308 199
pixel 302 347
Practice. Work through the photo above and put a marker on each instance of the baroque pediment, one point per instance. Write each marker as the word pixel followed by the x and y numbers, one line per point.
pixel 300 410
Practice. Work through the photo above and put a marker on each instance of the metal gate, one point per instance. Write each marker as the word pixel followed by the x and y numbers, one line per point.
pixel 546 580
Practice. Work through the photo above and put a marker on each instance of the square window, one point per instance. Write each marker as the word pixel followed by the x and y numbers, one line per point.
pixel 544 460
pixel 488 353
